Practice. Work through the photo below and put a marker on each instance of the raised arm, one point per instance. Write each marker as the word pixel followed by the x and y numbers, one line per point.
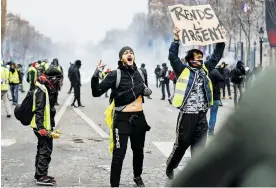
pixel 175 61
pixel 215 57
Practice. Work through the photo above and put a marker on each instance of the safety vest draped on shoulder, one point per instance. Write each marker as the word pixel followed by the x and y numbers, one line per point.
pixel 47 118
pixel 184 86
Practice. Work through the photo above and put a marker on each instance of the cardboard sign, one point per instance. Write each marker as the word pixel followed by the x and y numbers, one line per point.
pixel 198 24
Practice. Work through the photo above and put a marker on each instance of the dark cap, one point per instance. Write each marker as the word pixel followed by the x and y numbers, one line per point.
pixel 122 51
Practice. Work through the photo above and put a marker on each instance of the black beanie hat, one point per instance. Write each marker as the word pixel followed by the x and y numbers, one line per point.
pixel 123 50
pixel 78 62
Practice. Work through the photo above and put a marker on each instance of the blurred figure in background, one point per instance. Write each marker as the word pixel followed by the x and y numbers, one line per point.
pixel 69 76
pixel 226 74
pixel 157 73
pixel 237 76
pixel 76 81
pixel 14 80
pixel 21 71
pixel 165 81
pixel 5 88
pixel 217 79
pixel 143 69
pixel 32 76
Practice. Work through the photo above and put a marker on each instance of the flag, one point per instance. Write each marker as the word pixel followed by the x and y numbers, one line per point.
pixel 245 7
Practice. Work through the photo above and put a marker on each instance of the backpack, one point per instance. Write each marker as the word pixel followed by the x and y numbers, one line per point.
pixel 119 76
pixel 24 111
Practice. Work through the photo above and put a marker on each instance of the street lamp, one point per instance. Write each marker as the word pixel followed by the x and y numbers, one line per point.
pixel 255 45
pixel 261 35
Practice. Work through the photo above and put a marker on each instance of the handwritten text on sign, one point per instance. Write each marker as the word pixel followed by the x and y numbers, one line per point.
pixel 198 24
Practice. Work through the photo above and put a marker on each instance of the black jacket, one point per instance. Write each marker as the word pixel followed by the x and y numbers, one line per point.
pixel 227 74
pixel 75 76
pixel 40 102
pixel 70 70
pixel 130 88
pixel 237 75
pixel 31 79
pixel 157 72
pixel 145 75
pixel 216 77
pixel 163 74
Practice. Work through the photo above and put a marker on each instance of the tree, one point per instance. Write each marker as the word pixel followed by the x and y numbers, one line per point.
pixel 3 18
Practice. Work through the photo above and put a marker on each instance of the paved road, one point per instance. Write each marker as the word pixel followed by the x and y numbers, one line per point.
pixel 81 157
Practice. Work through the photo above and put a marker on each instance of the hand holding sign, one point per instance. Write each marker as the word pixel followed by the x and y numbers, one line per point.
pixel 101 66
pixel 198 25
pixel 176 33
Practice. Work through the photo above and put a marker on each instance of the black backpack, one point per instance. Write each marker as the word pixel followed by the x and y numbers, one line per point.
pixel 24 111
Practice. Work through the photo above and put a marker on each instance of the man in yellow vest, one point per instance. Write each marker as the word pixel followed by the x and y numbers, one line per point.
pixel 43 123
pixel 193 96
pixel 14 80
pixel 4 88
pixel 32 76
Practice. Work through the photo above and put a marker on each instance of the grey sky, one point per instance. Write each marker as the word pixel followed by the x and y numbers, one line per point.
pixel 77 20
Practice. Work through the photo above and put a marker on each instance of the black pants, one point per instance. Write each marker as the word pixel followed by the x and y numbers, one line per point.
pixel 167 84
pixel 71 87
pixel 32 87
pixel 157 82
pixel 226 83
pixel 56 97
pixel 77 95
pixel 43 155
pixel 191 130
pixel 128 125
pixel 237 87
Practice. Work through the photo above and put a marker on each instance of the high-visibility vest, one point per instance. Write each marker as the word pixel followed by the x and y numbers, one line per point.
pixel 30 69
pixel 47 118
pixel 4 79
pixel 182 92
pixel 46 66
pixel 14 77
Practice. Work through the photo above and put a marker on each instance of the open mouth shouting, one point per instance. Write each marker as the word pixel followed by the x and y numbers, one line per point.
pixel 129 59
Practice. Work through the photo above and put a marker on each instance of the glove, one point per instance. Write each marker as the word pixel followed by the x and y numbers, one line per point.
pixel 43 132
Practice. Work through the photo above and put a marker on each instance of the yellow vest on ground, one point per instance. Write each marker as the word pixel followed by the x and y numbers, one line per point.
pixel 14 77
pixel 47 118
pixel 35 71
pixel 181 86
pixel 4 79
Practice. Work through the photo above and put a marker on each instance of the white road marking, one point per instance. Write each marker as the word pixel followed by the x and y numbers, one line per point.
pixel 62 110
pixel 7 142
pixel 79 181
pixel 92 124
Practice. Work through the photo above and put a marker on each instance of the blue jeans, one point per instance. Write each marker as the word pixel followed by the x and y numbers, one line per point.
pixel 213 116
pixel 14 93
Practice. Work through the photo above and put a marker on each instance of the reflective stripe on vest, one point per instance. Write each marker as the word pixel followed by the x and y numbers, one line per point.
pixel 47 118
pixel 4 79
pixel 59 69
pixel 181 86
pixel 35 72
pixel 14 77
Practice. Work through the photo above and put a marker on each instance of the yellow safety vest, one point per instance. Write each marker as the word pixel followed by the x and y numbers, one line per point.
pixel 35 71
pixel 46 66
pixel 14 77
pixel 47 118
pixel 181 86
pixel 4 79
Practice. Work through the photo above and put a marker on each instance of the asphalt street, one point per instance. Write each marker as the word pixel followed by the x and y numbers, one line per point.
pixel 80 157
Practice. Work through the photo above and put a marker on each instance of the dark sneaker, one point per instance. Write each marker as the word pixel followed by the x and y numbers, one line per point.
pixel 170 101
pixel 56 104
pixel 46 180
pixel 170 173
pixel 51 177
pixel 8 116
pixel 73 105
pixel 139 182
pixel 81 105
pixel 162 99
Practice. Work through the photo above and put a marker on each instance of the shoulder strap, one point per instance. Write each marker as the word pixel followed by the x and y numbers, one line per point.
pixel 141 74
pixel 118 79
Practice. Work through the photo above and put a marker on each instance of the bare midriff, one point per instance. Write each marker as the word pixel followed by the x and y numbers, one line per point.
pixel 135 106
